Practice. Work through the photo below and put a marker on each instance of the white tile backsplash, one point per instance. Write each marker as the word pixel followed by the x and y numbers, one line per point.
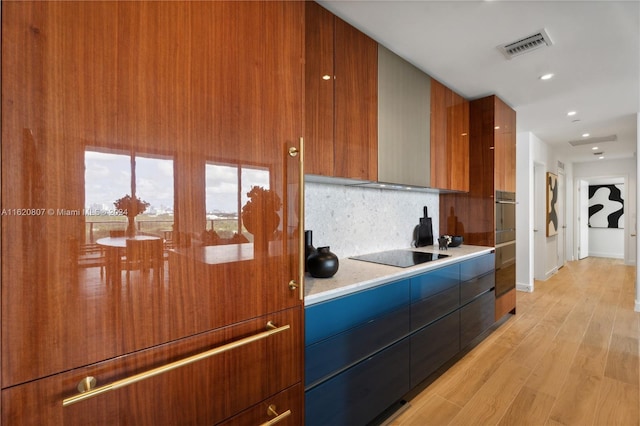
pixel 354 220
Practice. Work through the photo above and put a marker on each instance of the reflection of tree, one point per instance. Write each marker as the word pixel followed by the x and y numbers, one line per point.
pixel 260 215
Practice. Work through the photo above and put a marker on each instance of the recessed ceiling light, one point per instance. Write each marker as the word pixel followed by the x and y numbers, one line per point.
pixel 326 77
pixel 594 148
pixel 585 135
pixel 546 76
pixel 601 157
pixel 571 113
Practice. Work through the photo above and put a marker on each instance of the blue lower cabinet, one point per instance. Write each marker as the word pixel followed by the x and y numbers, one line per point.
pixel 326 319
pixel 358 395
pixel 472 268
pixel 343 350
pixel 434 345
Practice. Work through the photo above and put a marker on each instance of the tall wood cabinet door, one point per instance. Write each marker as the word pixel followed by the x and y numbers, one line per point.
pixel 319 90
pixel 449 139
pixel 356 103
pixel 510 155
pixel 505 160
pixel 58 95
pixel 189 106
pixel 459 151
pixel 440 97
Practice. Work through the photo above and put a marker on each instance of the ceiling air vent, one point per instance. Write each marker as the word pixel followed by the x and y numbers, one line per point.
pixel 526 44
pixel 610 138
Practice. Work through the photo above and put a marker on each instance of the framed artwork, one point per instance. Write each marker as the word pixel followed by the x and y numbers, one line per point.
pixel 552 204
pixel 606 206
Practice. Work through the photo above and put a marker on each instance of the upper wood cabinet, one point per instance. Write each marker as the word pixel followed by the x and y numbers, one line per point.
pixel 505 146
pixel 492 168
pixel 341 95
pixel 449 139
pixel 188 106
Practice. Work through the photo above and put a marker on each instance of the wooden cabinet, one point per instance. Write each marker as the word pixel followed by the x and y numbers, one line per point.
pixel 361 100
pixel 204 392
pixel 341 95
pixel 505 147
pixel 187 106
pixel 492 165
pixel 449 139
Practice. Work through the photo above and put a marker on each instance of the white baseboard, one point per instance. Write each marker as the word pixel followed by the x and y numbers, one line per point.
pixel 607 255
pixel 524 287
pixel 637 308
pixel 551 273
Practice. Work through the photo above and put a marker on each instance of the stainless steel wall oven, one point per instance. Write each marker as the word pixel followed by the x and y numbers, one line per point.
pixel 505 242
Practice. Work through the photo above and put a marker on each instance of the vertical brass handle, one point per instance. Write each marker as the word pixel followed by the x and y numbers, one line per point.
pixel 271 411
pixel 299 152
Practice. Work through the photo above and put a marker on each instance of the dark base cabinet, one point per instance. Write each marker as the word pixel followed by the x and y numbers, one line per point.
pixel 476 317
pixel 360 393
pixel 434 345
pixel 366 350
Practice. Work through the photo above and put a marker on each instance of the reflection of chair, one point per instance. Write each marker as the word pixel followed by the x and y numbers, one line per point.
pixel 87 255
pixel 116 233
pixel 144 255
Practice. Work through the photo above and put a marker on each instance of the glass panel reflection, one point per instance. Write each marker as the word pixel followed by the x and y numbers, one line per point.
pixel 227 193
pixel 129 215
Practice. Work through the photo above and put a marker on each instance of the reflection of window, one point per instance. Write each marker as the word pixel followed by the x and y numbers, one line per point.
pixel 227 186
pixel 108 177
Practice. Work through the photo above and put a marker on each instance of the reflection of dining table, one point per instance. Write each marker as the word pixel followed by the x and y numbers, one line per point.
pixel 114 250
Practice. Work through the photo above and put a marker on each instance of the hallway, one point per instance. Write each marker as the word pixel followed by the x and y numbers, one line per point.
pixel 570 356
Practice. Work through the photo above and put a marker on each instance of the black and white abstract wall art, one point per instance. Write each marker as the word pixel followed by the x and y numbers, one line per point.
pixel 606 206
pixel 552 204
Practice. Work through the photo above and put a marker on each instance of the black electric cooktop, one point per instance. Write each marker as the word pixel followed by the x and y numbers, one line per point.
pixel 400 258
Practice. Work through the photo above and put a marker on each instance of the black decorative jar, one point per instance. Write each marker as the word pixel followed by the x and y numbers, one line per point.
pixel 323 263
pixel 309 249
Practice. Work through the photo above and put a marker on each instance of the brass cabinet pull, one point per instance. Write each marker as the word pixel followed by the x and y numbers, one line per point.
pixel 271 410
pixel 299 152
pixel 271 330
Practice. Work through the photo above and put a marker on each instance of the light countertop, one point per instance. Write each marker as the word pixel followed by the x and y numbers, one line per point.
pixel 356 275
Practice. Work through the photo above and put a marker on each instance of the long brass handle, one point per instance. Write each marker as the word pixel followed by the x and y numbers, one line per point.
pixel 271 410
pixel 299 152
pixel 271 330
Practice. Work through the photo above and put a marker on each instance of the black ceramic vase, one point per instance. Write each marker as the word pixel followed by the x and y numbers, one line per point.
pixel 322 263
pixel 309 249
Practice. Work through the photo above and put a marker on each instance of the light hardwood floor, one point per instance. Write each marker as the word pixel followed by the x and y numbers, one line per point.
pixel 570 356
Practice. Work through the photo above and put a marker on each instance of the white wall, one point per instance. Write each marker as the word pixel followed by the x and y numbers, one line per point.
pixel 604 242
pixel 603 171
pixel 524 219
pixel 355 220
pixel 543 262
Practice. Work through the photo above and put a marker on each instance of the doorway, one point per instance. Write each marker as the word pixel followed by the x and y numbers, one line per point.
pixel 603 207
pixel 562 219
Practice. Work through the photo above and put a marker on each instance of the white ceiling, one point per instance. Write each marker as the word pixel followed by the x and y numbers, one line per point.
pixel 595 59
